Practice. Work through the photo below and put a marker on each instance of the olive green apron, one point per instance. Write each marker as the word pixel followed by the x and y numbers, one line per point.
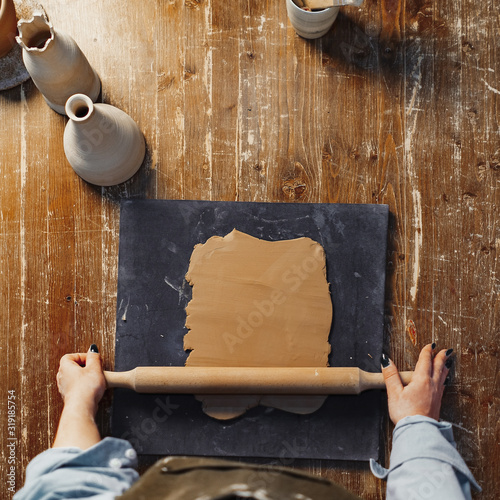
pixel 190 478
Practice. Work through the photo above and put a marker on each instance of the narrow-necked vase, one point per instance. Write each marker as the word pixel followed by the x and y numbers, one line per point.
pixel 102 143
pixel 55 63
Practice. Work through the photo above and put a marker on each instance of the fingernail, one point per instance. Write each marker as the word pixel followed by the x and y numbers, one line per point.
pixel 384 360
pixel 446 381
pixel 448 363
pixel 448 352
pixel 433 346
pixel 93 348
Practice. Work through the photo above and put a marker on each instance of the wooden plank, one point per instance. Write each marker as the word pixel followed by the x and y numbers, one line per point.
pixel 28 327
pixel 170 143
pixel 198 94
pixel 11 313
pixel 475 405
pixel 225 39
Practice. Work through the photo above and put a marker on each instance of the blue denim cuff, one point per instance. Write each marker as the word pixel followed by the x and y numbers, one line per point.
pixel 419 437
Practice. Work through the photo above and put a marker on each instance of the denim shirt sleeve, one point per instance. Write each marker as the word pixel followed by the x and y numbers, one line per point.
pixel 425 463
pixel 100 473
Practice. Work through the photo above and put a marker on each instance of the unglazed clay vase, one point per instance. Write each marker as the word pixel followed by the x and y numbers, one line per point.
pixel 55 63
pixel 102 143
pixel 8 26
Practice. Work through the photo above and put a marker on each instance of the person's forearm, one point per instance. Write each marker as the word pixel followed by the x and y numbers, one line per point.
pixel 77 427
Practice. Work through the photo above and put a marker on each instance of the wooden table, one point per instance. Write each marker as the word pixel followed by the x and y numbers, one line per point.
pixel 398 104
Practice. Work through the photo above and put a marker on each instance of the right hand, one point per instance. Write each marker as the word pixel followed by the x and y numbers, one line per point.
pixel 422 396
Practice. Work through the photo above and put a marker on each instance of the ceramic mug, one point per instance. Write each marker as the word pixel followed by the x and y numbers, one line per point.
pixel 311 24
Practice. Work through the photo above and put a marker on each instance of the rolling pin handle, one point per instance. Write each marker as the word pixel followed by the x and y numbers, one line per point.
pixel 370 380
pixel 120 379
pixel 405 377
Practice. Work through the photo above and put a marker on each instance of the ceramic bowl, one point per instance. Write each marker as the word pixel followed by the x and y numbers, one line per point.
pixel 309 24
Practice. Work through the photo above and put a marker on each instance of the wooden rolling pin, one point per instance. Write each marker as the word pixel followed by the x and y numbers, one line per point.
pixel 237 380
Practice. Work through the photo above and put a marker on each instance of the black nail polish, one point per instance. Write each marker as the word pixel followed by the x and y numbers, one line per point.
pixel 384 360
pixel 93 348
pixel 448 352
pixel 448 363
pixel 433 346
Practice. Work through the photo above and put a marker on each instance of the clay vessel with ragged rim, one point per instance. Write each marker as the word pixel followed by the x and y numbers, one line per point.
pixel 55 63
pixel 102 143
pixel 8 26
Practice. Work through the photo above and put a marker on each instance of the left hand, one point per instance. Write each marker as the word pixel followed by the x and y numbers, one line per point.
pixel 81 381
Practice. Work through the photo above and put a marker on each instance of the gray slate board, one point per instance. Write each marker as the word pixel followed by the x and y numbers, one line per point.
pixel 156 241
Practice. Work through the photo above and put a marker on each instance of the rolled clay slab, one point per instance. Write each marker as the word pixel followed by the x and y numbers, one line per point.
pixel 258 303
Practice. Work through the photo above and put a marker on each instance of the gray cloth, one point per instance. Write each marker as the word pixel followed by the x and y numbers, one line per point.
pixel 424 465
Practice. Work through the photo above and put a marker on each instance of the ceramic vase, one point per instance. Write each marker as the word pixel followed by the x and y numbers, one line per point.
pixel 311 24
pixel 102 143
pixel 8 26
pixel 55 63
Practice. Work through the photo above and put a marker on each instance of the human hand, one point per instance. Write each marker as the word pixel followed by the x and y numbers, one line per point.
pixel 81 381
pixel 422 396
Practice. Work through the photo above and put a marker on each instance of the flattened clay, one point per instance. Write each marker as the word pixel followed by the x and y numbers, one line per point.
pixel 258 303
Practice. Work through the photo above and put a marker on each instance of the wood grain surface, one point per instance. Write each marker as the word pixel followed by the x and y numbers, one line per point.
pixel 397 104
